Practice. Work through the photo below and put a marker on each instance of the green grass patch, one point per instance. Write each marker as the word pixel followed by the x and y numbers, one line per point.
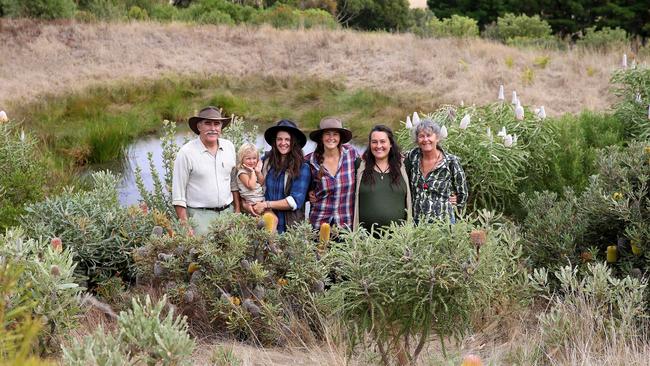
pixel 95 125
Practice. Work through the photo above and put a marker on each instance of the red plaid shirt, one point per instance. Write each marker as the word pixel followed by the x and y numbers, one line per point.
pixel 334 193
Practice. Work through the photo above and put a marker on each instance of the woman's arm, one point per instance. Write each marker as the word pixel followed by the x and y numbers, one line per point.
pixel 459 183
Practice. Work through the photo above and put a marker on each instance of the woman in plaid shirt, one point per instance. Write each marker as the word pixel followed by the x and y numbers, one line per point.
pixel 333 175
pixel 436 177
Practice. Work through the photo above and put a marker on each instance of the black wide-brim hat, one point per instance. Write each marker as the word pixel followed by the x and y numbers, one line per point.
pixel 288 126
pixel 211 113
pixel 334 124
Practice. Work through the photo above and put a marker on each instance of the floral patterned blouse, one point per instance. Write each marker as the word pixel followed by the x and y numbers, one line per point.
pixel 430 193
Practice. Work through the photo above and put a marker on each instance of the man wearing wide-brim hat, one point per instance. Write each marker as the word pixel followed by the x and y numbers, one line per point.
pixel 201 184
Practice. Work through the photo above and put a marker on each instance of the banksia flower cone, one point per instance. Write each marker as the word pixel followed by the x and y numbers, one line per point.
pixel 55 270
pixel 57 244
pixel 251 307
pixel 318 286
pixel 269 221
pixel 193 267
pixel 324 234
pixel 409 124
pixel 636 249
pixel 514 98
pixel 443 132
pixel 3 117
pixel 416 118
pixel 472 360
pixel 478 237
pixel 245 265
pixel 612 254
pixel 501 93
pixel 519 112
pixel 464 123
pixel 157 231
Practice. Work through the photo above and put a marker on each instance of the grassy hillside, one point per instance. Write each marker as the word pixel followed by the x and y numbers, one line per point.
pixel 43 58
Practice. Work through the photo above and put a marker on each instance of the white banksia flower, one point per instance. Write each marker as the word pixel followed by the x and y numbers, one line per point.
pixel 3 117
pixel 514 97
pixel 637 98
pixel 489 133
pixel 648 111
pixel 519 112
pixel 633 64
pixel 514 139
pixel 541 113
pixel 462 103
pixel 416 118
pixel 507 141
pixel 624 61
pixel 443 132
pixel 464 123
pixel 22 135
pixel 502 132
pixel 409 124
pixel 501 93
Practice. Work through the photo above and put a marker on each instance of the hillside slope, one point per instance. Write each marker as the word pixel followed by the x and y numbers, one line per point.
pixel 56 57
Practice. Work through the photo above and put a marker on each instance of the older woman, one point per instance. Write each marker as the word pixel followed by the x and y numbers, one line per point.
pixel 287 175
pixel 436 177
pixel 333 174
pixel 383 195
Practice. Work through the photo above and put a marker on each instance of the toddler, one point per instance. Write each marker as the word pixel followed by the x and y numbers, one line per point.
pixel 250 179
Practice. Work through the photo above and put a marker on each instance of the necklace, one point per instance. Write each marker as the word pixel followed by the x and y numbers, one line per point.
pixel 382 172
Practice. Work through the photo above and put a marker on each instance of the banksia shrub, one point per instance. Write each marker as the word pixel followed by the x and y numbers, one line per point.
pixel 47 279
pixel 145 335
pixel 632 86
pixel 249 281
pixel 414 281
pixel 495 163
pixel 93 226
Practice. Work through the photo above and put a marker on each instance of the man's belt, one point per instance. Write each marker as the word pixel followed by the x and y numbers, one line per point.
pixel 215 209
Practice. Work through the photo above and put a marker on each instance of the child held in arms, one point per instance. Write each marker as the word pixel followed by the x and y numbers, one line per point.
pixel 250 178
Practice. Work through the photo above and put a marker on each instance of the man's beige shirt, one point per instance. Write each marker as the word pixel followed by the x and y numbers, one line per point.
pixel 201 179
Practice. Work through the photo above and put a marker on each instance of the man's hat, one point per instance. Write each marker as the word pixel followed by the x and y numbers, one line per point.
pixel 211 113
pixel 331 123
pixel 288 126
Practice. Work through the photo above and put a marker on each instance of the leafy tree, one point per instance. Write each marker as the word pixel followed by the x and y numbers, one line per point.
pixel 391 15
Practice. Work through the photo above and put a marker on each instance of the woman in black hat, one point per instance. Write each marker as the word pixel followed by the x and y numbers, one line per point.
pixel 287 175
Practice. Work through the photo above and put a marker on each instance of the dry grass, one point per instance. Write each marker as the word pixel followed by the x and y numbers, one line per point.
pixel 62 56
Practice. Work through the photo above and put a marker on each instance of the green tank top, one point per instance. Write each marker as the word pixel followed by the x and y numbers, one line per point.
pixel 382 203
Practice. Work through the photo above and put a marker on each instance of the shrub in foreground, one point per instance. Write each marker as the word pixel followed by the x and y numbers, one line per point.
pixel 408 282
pixel 145 335
pixel 251 283
pixel 98 231
pixel 46 281
pixel 632 86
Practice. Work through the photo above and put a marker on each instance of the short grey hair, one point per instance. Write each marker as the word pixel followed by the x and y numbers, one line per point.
pixel 425 125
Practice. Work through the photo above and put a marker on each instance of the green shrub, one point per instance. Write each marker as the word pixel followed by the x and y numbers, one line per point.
pixel 215 11
pixel 605 39
pixel 106 9
pixel 456 26
pixel 251 283
pixel 144 336
pixel 44 9
pixel 215 17
pixel 413 281
pixel 278 16
pixel 47 279
pixel 98 231
pixel 317 18
pixel 595 306
pixel 164 12
pixel 137 13
pixel 510 26
pixel 614 211
pixel 547 43
pixel 18 326
pixel 632 86
pixel 22 173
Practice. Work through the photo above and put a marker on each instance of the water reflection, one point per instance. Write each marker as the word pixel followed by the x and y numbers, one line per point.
pixel 136 155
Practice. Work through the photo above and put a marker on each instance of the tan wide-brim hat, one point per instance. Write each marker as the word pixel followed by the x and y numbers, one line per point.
pixel 331 123
pixel 211 113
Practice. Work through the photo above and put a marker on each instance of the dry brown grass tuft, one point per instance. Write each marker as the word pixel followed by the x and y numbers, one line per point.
pixel 65 56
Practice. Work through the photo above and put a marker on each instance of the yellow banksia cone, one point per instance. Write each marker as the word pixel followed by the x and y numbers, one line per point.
pixel 472 360
pixel 269 221
pixel 193 267
pixel 636 249
pixel 324 234
pixel 647 149
pixel 235 300
pixel 283 281
pixel 612 254
pixel 617 196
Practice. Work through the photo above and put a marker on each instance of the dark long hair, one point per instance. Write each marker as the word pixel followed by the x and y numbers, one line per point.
pixel 394 158
pixel 319 152
pixel 291 163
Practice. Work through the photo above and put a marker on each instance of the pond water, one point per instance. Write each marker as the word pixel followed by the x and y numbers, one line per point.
pixel 136 155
